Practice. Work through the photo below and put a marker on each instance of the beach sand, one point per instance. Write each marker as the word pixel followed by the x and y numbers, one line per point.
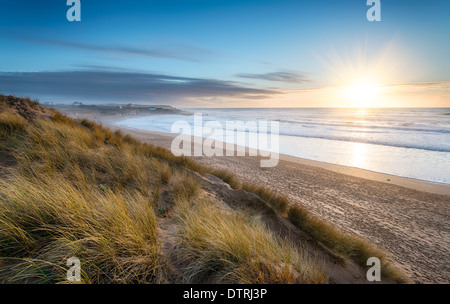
pixel 408 218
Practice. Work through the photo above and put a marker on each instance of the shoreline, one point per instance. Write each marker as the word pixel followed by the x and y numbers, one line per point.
pixel 408 182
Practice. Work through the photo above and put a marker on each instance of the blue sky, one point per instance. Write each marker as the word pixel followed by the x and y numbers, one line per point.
pixel 226 53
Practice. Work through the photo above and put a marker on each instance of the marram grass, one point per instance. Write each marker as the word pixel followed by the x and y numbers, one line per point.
pixel 229 246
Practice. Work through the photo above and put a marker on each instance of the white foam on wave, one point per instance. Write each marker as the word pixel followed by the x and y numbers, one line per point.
pixel 412 143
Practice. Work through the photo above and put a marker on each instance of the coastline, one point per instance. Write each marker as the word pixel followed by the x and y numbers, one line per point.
pixel 406 217
pixel 164 139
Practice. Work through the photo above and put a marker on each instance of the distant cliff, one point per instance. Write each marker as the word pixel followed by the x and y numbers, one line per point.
pixel 120 109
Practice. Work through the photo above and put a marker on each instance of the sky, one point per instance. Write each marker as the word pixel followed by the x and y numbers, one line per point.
pixel 227 53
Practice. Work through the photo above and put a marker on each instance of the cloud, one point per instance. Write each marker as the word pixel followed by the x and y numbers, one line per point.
pixel 436 84
pixel 288 77
pixel 120 86
pixel 177 51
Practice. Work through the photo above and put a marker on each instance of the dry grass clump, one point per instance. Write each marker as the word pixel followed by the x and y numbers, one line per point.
pixel 278 202
pixel 11 127
pixel 45 220
pixel 82 157
pixel 77 192
pixel 184 186
pixel 166 173
pixel 227 177
pixel 229 246
pixel 10 123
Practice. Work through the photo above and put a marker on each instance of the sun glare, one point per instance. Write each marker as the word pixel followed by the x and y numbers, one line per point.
pixel 362 93
pixel 361 74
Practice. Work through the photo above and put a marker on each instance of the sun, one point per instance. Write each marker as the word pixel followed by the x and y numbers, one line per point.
pixel 360 76
pixel 362 93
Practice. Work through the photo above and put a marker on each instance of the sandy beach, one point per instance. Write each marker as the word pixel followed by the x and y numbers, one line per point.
pixel 406 217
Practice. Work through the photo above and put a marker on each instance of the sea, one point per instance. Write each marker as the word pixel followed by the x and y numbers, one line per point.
pixel 406 142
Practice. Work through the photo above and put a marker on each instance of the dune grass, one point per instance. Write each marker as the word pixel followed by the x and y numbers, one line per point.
pixel 45 220
pixel 212 251
pixel 10 124
pixel 81 190
pixel 77 192
pixel 226 176
pixel 278 202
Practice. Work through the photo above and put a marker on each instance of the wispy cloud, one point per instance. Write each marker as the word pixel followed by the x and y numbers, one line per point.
pixel 176 51
pixel 288 77
pixel 439 84
pixel 97 85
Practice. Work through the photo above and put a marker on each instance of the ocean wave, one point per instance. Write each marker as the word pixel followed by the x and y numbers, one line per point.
pixel 401 126
pixel 376 142
pixel 402 134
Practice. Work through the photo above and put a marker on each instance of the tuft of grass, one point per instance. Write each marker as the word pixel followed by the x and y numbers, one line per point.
pixel 278 202
pixel 45 220
pixel 63 119
pixel 166 173
pixel 10 123
pixel 351 246
pixel 12 127
pixel 228 246
pixel 34 102
pixel 227 177
pixel 75 151
pixel 77 190
pixel 184 186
